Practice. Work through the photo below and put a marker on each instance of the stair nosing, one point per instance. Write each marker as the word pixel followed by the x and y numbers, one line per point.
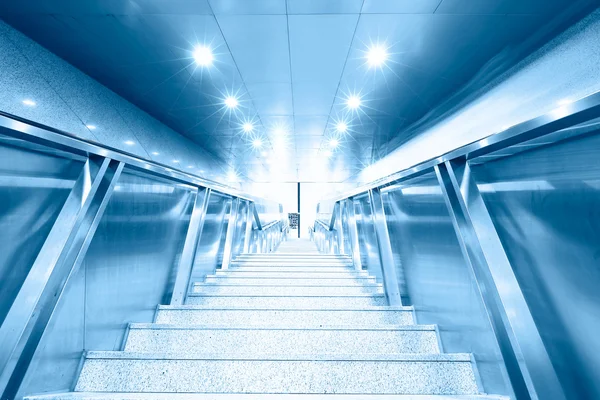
pixel 350 296
pixel 377 285
pixel 361 308
pixel 323 357
pixel 382 328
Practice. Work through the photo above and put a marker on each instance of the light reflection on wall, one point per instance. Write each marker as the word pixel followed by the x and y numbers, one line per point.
pixel 563 71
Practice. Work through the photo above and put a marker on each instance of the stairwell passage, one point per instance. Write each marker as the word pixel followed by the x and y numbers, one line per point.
pixel 294 324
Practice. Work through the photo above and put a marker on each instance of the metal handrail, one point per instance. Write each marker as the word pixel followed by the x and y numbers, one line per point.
pixel 14 126
pixel 561 118
pixel 270 224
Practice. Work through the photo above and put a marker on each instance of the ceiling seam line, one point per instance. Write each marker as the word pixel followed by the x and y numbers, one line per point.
pixel 236 67
pixel 341 75
pixel 287 18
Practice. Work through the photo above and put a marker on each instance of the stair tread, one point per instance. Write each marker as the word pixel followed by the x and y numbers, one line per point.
pixel 248 396
pixel 399 357
pixel 364 308
pixel 415 327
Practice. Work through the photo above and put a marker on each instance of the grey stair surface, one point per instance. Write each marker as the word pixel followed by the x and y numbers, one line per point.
pixel 340 339
pixel 286 373
pixel 191 315
pixel 295 325
pixel 243 396
pixel 274 290
pixel 286 302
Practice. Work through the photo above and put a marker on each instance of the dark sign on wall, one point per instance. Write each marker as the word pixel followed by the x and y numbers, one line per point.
pixel 294 220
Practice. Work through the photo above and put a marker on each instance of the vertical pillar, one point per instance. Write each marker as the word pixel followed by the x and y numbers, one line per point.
pixel 248 234
pixel 59 258
pixel 386 257
pixel 340 227
pixel 528 364
pixel 186 264
pixel 229 236
pixel 353 232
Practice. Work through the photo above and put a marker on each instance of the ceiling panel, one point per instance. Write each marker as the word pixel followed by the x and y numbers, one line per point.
pixel 501 6
pixel 320 45
pixel 248 6
pixel 401 6
pixel 271 98
pixel 259 46
pixel 324 6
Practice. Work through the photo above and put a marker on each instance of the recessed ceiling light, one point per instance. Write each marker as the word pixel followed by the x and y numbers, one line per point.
pixel 333 143
pixel 353 102
pixel 176 161
pixel 203 56
pixel 155 153
pixel 91 127
pixel 257 143
pixel 377 55
pixel 129 142
pixel 190 166
pixel 341 127
pixel 231 102
pixel 248 127
pixel 29 103
pixel 201 171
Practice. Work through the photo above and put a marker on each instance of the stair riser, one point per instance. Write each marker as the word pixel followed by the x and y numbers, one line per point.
pixel 226 376
pixel 227 280
pixel 287 275
pixel 273 263
pixel 291 269
pixel 287 318
pixel 289 290
pixel 256 342
pixel 287 302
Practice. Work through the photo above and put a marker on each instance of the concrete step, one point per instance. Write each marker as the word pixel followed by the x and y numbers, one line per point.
pixel 294 254
pixel 283 263
pixel 244 396
pixel 154 338
pixel 285 373
pixel 307 318
pixel 237 273
pixel 287 302
pixel 277 281
pixel 250 290
pixel 263 268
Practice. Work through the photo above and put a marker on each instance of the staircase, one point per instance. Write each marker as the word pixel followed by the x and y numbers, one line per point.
pixel 294 324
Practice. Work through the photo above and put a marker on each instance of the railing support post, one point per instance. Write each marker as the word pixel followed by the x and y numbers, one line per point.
pixel 528 364
pixel 353 232
pixel 231 226
pixel 386 257
pixel 59 258
pixel 249 223
pixel 186 264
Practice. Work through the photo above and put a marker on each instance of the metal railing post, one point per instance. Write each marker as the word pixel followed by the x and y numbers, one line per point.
pixel 186 264
pixel 386 257
pixel 528 364
pixel 353 232
pixel 229 236
pixel 249 223
pixel 59 258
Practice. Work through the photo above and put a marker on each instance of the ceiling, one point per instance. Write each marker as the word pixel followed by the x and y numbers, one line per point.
pixel 292 66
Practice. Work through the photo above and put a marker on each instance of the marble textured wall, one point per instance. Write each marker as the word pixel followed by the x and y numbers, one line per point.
pixel 67 99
